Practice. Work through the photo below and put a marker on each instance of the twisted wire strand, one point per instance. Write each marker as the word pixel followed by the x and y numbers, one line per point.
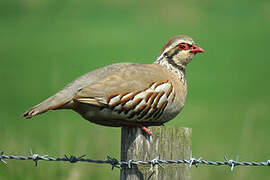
pixel 120 164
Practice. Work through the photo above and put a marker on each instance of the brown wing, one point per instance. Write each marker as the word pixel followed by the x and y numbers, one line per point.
pixel 139 92
pixel 132 78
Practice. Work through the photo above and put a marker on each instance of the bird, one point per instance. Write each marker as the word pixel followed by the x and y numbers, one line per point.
pixel 129 94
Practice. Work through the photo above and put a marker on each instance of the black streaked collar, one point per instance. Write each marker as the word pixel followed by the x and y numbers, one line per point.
pixel 181 68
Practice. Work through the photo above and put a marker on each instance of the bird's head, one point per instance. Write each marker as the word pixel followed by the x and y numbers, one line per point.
pixel 179 50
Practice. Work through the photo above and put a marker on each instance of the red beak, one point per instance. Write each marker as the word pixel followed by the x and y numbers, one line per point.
pixel 196 49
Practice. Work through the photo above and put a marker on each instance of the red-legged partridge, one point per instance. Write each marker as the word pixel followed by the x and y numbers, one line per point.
pixel 128 94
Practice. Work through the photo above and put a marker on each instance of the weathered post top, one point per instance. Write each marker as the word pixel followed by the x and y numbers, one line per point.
pixel 166 142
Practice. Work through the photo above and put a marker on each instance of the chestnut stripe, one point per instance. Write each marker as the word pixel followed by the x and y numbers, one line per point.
pixel 163 108
pixel 145 111
pixel 115 103
pixel 148 95
pixel 160 82
pixel 123 94
pixel 109 98
pixel 149 104
pixel 134 104
pixel 130 97
pixel 140 109
pixel 157 99
pixel 152 111
pixel 164 104
pixel 154 95
pixel 173 96
pixel 150 85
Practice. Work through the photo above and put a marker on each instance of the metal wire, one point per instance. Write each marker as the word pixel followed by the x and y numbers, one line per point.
pixel 120 164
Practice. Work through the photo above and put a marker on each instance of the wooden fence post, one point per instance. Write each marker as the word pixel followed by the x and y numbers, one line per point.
pixel 166 142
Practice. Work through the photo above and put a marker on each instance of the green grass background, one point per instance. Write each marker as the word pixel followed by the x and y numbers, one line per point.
pixel 46 44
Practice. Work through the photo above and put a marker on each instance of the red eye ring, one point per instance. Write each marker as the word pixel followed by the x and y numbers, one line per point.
pixel 183 46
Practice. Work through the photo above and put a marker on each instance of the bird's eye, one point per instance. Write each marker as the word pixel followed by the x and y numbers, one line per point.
pixel 183 46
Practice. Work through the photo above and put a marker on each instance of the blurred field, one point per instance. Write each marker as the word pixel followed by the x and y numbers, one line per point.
pixel 46 44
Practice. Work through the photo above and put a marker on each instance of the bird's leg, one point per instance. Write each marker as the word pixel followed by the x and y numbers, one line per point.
pixel 143 128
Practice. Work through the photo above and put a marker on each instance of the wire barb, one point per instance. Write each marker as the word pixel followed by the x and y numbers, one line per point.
pixel 230 162
pixel 194 161
pixel 155 162
pixel 74 159
pixel 36 157
pixel 114 162
pixel 1 157
pixel 129 163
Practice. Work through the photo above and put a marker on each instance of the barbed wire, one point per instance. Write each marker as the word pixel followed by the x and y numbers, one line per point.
pixel 120 164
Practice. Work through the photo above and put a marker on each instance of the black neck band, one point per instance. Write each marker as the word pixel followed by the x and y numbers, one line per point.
pixel 181 68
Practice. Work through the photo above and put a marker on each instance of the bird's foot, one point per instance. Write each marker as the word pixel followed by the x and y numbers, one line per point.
pixel 143 128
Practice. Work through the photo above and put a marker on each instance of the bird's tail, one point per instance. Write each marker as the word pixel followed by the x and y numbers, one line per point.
pixel 38 109
pixel 54 102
